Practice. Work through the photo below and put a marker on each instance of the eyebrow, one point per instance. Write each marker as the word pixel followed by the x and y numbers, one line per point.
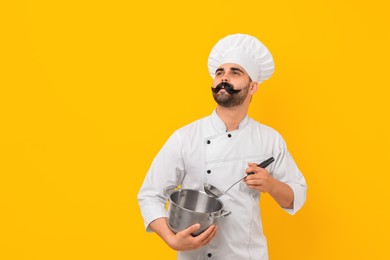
pixel 232 68
pixel 236 69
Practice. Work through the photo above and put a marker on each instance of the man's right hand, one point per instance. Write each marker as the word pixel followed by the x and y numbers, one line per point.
pixel 183 240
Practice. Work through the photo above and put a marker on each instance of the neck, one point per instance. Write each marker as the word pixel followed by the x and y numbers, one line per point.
pixel 232 116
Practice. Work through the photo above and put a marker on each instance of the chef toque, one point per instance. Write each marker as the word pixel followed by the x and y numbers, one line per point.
pixel 246 51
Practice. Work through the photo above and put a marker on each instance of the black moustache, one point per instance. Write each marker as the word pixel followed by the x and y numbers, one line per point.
pixel 226 86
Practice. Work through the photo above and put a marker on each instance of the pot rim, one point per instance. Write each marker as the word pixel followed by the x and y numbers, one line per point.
pixel 193 211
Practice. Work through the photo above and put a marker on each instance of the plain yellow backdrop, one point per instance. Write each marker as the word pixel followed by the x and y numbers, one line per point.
pixel 91 90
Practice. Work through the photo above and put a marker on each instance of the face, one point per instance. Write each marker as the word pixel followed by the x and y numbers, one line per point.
pixel 231 85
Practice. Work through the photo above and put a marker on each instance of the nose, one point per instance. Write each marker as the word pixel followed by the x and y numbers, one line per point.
pixel 224 78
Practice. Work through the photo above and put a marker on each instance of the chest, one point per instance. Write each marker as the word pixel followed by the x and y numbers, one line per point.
pixel 222 158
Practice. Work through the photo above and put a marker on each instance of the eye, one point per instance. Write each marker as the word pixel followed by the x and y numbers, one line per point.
pixel 218 73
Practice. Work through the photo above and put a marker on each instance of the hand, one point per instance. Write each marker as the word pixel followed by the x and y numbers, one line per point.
pixel 183 240
pixel 261 180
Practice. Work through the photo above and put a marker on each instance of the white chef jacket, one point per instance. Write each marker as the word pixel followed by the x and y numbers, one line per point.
pixel 204 152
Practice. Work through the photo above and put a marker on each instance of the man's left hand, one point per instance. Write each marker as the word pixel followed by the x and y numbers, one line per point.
pixel 261 180
pixel 264 182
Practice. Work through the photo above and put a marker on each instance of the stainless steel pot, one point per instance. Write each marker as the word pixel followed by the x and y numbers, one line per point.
pixel 188 207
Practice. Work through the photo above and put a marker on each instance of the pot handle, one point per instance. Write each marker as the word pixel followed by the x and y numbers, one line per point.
pixel 169 190
pixel 223 213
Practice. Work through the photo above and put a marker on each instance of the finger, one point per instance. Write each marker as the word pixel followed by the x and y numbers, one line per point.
pixel 255 169
pixel 250 177
pixel 254 183
pixel 188 231
pixel 210 237
pixel 252 169
pixel 205 234
pixel 252 165
pixel 260 174
pixel 254 180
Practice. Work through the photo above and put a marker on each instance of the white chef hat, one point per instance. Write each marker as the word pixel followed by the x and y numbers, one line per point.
pixel 246 51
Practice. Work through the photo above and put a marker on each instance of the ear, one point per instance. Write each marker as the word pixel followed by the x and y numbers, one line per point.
pixel 253 87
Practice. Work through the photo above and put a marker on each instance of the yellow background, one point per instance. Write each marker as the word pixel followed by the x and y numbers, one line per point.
pixel 90 91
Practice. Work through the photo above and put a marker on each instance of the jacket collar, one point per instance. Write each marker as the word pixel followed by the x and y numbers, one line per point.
pixel 219 125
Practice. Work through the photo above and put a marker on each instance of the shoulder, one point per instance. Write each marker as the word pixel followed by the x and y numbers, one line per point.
pixel 264 129
pixel 266 133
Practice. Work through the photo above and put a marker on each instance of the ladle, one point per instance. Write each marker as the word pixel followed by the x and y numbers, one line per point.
pixel 216 193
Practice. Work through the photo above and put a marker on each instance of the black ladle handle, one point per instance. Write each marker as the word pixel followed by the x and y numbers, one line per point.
pixel 263 164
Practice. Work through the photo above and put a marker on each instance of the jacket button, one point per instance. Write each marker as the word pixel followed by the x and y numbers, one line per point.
pixel 209 255
pixel 208 171
pixel 208 142
pixel 229 135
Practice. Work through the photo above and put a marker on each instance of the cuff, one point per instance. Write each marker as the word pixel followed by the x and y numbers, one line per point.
pixel 299 197
pixel 152 212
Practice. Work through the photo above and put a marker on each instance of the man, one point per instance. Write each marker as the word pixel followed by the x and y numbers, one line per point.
pixel 220 149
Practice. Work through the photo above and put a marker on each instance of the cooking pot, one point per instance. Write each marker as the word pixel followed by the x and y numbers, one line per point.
pixel 187 207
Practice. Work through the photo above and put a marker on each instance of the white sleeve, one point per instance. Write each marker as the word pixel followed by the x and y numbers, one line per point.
pixel 286 170
pixel 167 169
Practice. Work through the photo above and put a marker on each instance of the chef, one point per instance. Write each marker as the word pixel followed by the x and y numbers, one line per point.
pixel 220 149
